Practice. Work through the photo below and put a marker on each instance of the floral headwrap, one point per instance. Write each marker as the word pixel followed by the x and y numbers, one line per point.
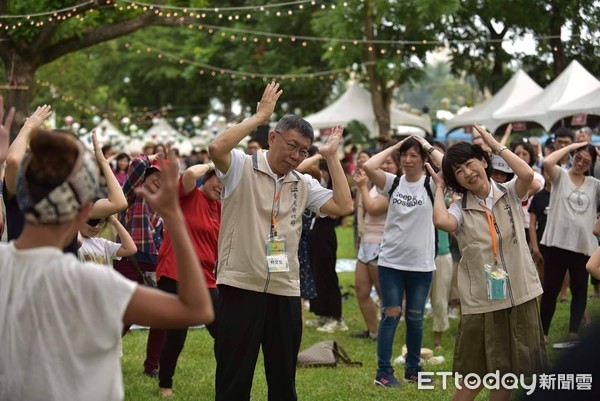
pixel 64 201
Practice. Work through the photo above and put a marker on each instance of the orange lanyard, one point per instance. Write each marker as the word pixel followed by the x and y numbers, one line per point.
pixel 491 225
pixel 274 215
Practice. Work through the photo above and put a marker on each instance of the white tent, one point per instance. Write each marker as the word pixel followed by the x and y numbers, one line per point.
pixel 544 109
pixel 355 104
pixel 162 132
pixel 107 133
pixel 517 90
pixel 586 104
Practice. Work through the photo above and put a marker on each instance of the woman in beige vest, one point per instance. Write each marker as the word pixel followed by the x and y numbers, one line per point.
pixel 500 329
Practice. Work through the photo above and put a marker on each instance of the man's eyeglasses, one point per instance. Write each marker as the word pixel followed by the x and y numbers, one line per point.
pixel 564 142
pixel 294 148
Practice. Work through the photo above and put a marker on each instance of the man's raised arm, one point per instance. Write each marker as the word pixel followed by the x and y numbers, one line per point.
pixel 221 147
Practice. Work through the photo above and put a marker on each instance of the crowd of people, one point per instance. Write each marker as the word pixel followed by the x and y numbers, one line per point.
pixel 240 241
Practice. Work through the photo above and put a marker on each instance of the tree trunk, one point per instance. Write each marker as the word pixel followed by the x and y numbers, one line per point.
pixel 21 84
pixel 556 44
pixel 380 108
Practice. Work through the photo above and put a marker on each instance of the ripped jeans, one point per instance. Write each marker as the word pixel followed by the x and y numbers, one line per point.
pixel 393 283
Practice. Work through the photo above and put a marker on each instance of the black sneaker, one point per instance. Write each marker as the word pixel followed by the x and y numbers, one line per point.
pixel 386 380
pixel 411 375
pixel 152 373
pixel 365 335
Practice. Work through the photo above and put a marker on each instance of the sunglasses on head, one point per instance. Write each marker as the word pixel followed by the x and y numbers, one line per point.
pixel 94 222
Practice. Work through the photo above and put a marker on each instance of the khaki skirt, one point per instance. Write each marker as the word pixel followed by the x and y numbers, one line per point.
pixel 509 340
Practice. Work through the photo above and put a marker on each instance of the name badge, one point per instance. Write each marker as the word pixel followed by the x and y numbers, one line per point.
pixel 277 260
pixel 496 282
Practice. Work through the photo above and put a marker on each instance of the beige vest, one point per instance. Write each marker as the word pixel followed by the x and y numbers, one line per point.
pixel 246 224
pixel 475 242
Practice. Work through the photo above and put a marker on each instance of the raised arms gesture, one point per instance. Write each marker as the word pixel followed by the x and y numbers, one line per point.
pixel 221 147
pixel 17 149
pixel 5 125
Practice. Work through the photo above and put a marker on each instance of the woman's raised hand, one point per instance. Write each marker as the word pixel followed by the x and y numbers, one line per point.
pixel 438 178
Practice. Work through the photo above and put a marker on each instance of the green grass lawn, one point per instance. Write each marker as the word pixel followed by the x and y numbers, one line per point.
pixel 194 379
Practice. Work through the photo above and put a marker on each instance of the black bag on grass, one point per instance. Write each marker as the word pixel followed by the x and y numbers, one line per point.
pixel 325 353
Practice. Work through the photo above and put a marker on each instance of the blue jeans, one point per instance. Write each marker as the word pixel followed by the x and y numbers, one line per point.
pixel 393 283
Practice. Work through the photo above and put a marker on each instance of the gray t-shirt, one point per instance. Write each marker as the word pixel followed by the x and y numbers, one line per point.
pixel 572 214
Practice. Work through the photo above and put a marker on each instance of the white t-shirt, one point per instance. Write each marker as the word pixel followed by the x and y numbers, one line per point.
pixel 317 195
pixel 98 250
pixel 409 236
pixel 455 208
pixel 525 203
pixel 60 327
pixel 572 214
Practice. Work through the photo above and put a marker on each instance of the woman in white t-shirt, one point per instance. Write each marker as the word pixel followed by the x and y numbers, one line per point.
pixel 375 207
pixel 569 236
pixel 407 252
pixel 62 318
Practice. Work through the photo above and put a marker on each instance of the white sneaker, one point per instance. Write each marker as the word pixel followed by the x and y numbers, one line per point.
pixel 454 313
pixel 332 326
pixel 318 322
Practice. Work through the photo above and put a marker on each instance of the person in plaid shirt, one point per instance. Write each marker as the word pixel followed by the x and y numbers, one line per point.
pixel 145 227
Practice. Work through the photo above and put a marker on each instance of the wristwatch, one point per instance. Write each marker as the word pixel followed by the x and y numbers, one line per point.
pixel 430 150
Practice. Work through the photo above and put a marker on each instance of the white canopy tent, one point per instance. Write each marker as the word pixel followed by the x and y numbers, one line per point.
pixel 163 132
pixel 107 134
pixel 545 108
pixel 517 90
pixel 586 104
pixel 355 104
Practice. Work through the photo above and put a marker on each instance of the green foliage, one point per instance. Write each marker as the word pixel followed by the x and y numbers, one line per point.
pixel 393 21
pixel 118 80
pixel 358 132
pixel 439 89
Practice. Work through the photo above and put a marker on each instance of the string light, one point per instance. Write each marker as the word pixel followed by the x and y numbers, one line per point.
pixel 70 12
pixel 169 12
pixel 51 12
pixel 90 110
pixel 331 74
pixel 223 9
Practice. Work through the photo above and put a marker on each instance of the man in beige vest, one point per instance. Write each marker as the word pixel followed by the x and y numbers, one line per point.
pixel 258 271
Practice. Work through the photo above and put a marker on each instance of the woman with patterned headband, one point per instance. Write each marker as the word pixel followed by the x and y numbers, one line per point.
pixel 62 318
pixel 103 207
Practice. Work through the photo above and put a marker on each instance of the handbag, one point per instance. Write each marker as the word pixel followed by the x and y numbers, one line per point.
pixel 325 353
pixel 148 278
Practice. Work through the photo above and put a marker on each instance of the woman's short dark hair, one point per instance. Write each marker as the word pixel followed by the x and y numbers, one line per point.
pixel 209 174
pixel 458 154
pixel 528 148
pixel 413 143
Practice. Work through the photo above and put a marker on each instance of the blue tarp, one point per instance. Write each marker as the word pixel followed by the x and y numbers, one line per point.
pixel 456 135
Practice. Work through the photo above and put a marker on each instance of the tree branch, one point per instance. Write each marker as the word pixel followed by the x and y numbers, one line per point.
pixel 103 33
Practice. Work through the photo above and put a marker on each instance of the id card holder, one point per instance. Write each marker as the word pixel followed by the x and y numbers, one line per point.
pixel 496 278
pixel 277 259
